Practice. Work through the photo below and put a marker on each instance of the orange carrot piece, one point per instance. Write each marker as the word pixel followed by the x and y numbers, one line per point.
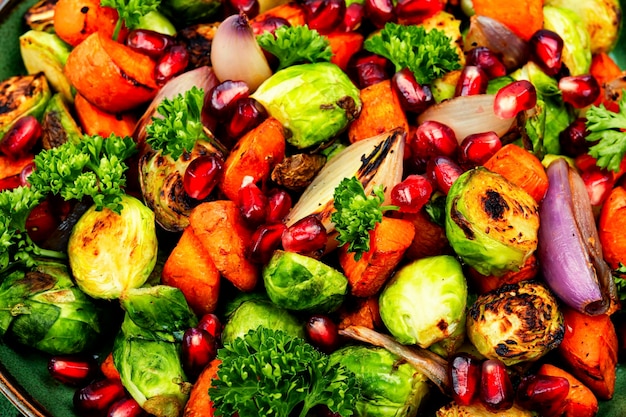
pixel 611 227
pixel 343 46
pixel 253 157
pixel 75 20
pixel 222 231
pixel 430 238
pixel 110 75
pixel 486 283
pixel 580 400
pixel 389 240
pixel 524 17
pixel 522 168
pixel 360 312
pixel 95 121
pixel 107 367
pixel 604 69
pixel 190 269
pixel 199 403
pixel 292 12
pixel 11 166
pixel 381 112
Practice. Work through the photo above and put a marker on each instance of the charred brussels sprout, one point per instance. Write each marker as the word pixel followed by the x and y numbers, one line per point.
pixel 491 223
pixel 22 95
pixel 146 351
pixel 253 313
pixel 387 387
pixel 110 253
pixel 516 323
pixel 298 282
pixel 425 301
pixel 314 101
pixel 43 309
pixel 58 125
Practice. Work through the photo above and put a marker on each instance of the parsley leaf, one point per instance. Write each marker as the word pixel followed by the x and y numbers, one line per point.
pixel 357 214
pixel 605 126
pixel 130 12
pixel 181 125
pixel 296 44
pixel 619 276
pixel 428 54
pixel 270 373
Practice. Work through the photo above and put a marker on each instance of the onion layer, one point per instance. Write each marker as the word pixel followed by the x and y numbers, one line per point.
pixel 569 248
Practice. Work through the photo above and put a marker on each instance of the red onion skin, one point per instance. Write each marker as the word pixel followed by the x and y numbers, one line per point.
pixel 563 252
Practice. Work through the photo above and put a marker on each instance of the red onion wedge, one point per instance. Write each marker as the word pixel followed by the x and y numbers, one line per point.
pixel 569 248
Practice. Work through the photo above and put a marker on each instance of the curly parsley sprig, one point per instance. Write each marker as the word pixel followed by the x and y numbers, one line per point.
pixel 296 44
pixel 270 373
pixel 607 127
pixel 428 54
pixel 130 12
pixel 357 214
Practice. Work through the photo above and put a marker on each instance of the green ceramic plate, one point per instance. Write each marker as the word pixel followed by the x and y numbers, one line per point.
pixel 24 378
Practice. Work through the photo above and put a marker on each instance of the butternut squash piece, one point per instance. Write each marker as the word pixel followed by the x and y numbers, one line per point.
pixel 95 121
pixel 524 17
pixel 611 227
pixel 199 403
pixel 580 400
pixel 430 238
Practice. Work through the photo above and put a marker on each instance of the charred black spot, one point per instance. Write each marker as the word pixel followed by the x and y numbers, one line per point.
pixel 442 325
pixel 37 281
pixel 84 9
pixel 502 349
pixel 510 342
pixel 494 205
pixel 326 106
pixel 461 221
pixel 348 105
pixel 134 82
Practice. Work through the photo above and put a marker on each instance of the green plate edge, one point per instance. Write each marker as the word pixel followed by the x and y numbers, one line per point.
pixel 24 377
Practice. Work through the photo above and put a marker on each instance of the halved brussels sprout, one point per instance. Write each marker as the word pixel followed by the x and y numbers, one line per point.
pixel 516 323
pixel 300 283
pixel 387 386
pixel 22 95
pixel 110 253
pixel 576 40
pixel 424 302
pixel 491 223
pixel 314 101
pixel 58 125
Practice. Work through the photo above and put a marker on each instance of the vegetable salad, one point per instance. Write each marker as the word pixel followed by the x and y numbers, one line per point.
pixel 317 208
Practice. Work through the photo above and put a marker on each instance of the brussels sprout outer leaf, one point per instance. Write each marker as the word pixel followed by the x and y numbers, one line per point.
pixel 298 282
pixel 576 39
pixel 425 301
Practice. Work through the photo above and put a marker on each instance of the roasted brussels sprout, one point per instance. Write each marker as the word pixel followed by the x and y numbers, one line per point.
pixel 42 308
pixel 46 52
pixel 256 312
pixel 576 40
pixel 297 171
pixel 388 387
pixel 424 302
pixel 515 323
pixel 298 282
pixel 314 101
pixel 22 95
pixel 58 125
pixel 110 253
pixel 185 12
pixel 40 16
pixel 146 351
pixel 491 223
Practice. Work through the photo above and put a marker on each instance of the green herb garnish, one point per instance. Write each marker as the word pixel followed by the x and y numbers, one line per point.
pixel 296 44
pixel 606 127
pixel 130 12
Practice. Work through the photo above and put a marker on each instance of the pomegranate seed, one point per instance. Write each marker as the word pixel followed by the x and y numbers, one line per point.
pixel 197 350
pixel 486 60
pixel 72 370
pixel 252 204
pixel 269 24
pixel 599 184
pixel 411 194
pixel 472 81
pixel 278 205
pixel 265 240
pixel 514 98
pixel 25 173
pixel 211 324
pixel 496 390
pixel 543 393
pixel 21 137
pixel 579 90
pixel 96 398
pixel 546 49
pixel 41 222
pixel 443 171
pixel 307 235
pixel 173 62
pixel 248 114
pixel 432 138
pixel 352 18
pixel 573 138
pixel 126 407
pixel 148 42
pixel 324 411
pixel 201 176
pixel 414 12
pixel 380 12
pixel 413 96
pixel 324 15
pixel 367 69
pixel 476 149
pixel 222 98
pixel 249 7
pixel 464 373
pixel 322 333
